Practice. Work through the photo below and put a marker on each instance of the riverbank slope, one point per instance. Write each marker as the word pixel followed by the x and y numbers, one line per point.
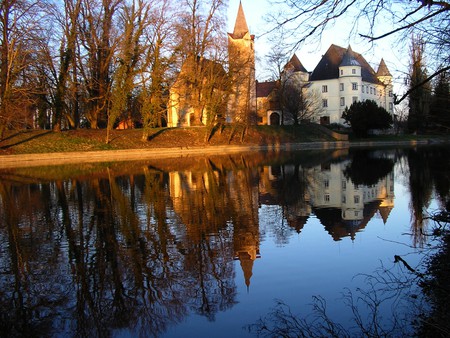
pixel 47 147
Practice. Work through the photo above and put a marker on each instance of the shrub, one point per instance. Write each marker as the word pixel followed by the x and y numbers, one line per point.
pixel 363 116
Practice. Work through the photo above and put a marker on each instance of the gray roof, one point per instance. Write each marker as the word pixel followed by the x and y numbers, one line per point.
pixel 349 59
pixel 328 66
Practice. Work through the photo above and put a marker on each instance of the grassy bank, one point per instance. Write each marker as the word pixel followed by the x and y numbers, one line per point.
pixel 44 141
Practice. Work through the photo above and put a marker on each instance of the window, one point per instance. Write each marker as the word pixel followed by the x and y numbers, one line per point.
pixel 353 71
pixel 371 90
pixel 342 72
pixel 356 199
pixel 326 198
pixel 354 99
pixel 342 101
pixel 362 88
pixel 390 93
pixel 344 185
pixel 343 199
pixel 324 103
pixel 341 86
pixel 354 86
pixel 326 183
pixel 391 106
pixel 324 89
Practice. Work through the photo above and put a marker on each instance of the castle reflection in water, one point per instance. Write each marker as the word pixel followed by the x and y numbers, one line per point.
pixel 203 198
pixel 144 245
pixel 132 247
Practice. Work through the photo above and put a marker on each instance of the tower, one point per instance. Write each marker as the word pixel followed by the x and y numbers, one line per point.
pixel 241 54
pixel 350 79
pixel 385 77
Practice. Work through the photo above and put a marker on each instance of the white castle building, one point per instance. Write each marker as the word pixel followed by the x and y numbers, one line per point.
pixel 341 77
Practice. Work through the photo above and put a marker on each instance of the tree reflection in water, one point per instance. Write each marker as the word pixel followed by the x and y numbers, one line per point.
pixel 140 246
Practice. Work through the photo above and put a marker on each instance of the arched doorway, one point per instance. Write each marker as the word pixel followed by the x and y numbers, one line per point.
pixel 274 119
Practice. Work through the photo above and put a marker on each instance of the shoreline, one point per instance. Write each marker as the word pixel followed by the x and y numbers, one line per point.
pixel 59 158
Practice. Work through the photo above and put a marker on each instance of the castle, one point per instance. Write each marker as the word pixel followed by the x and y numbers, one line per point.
pixel 341 77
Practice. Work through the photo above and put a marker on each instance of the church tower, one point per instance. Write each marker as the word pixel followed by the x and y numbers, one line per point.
pixel 241 54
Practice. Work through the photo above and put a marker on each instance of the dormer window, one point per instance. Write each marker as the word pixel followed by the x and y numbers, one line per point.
pixel 342 72
pixel 353 71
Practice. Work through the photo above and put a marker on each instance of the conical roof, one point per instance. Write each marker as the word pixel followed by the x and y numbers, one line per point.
pixel 240 27
pixel 349 58
pixel 247 267
pixel 296 64
pixel 328 66
pixel 383 69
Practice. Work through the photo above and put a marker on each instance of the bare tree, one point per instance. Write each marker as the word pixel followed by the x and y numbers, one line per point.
pixel 420 98
pixel 59 64
pixel 296 101
pixel 134 19
pixel 201 46
pixel 159 37
pixel 98 42
pixel 299 103
pixel 430 18
pixel 19 50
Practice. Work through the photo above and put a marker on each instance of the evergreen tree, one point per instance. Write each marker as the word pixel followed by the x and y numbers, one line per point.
pixel 440 103
pixel 363 116
pixel 419 99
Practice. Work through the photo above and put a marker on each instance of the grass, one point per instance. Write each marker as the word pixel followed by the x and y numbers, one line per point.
pixel 44 141
pixel 40 141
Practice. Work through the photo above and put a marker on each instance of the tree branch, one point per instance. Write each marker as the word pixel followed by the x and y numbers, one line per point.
pixel 412 24
pixel 404 96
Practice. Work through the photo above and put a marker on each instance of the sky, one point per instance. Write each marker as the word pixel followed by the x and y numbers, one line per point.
pixel 310 54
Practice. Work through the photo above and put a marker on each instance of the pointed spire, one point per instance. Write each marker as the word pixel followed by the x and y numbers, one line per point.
pixel 296 64
pixel 240 27
pixel 247 267
pixel 349 58
pixel 383 69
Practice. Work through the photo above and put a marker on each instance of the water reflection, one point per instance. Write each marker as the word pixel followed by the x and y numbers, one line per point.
pixel 141 246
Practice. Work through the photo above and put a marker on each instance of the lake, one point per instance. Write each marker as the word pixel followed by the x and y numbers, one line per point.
pixel 208 246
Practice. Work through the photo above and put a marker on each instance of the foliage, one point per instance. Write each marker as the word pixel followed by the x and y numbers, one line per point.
pixel 440 102
pixel 363 116
pixel 436 283
pixel 367 169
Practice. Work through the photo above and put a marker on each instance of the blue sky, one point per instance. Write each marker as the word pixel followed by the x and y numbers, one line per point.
pixel 310 54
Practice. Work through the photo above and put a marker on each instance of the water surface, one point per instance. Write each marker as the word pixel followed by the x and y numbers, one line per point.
pixel 205 246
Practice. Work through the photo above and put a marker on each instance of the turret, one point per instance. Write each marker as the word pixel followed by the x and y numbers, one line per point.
pixel 349 65
pixel 383 73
